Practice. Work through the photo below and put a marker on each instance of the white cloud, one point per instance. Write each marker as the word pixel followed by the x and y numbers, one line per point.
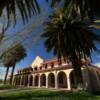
pixel 97 64
pixel 2 72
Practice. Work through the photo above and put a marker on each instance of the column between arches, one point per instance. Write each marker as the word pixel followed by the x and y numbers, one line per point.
pixel 68 81
pixel 46 80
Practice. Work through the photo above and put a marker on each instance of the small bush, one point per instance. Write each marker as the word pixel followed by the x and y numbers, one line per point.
pixel 4 87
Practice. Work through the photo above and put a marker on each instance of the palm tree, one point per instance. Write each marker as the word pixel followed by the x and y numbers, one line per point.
pixel 89 8
pixel 25 7
pixel 69 37
pixel 12 56
pixel 18 53
pixel 85 8
pixel 6 60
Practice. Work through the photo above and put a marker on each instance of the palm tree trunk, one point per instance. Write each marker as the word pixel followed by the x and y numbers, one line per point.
pixel 79 77
pixel 78 73
pixel 5 79
pixel 12 72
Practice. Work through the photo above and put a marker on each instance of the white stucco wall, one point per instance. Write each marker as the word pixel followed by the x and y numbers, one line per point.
pixel 37 62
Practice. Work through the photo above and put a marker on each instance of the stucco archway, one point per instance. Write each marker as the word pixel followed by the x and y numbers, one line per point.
pixel 62 80
pixel 36 80
pixel 98 74
pixel 22 82
pixel 51 80
pixel 18 80
pixel 43 80
pixel 31 81
pixel 26 80
pixel 15 80
pixel 73 80
pixel 93 80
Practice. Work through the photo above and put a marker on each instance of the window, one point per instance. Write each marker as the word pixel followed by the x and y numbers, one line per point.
pixel 52 65
pixel 40 68
pixel 45 66
pixel 35 68
pixel 59 62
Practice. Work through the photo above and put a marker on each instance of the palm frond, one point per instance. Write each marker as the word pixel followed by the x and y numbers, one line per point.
pixel 25 7
pixel 90 8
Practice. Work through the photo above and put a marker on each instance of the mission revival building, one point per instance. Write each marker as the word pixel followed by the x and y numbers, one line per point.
pixel 57 74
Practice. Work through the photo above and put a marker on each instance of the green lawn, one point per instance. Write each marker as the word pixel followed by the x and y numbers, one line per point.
pixel 44 94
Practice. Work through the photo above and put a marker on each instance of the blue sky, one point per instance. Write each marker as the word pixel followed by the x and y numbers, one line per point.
pixel 34 43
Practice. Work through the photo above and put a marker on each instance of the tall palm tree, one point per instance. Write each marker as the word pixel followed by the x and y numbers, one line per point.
pixel 12 56
pixel 18 53
pixel 7 70
pixel 7 64
pixel 70 38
